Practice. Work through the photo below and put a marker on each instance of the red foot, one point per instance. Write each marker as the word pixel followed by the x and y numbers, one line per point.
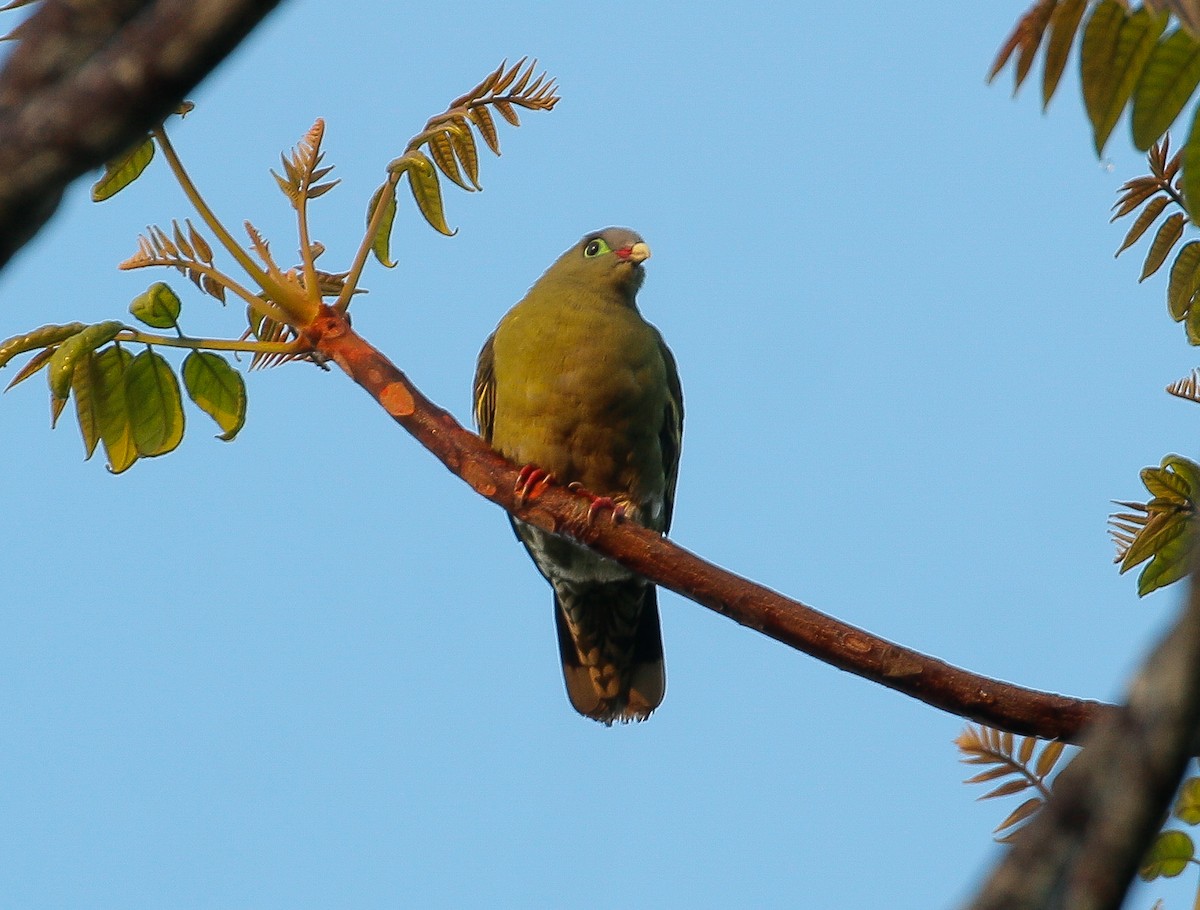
pixel 530 483
pixel 619 511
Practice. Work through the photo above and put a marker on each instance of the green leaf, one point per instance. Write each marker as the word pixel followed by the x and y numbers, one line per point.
pixel 1191 162
pixel 85 403
pixel 1064 22
pixel 39 338
pixel 381 244
pixel 1181 287
pixel 1187 803
pixel 123 170
pixel 1168 855
pixel 1193 325
pixel 1186 469
pixel 427 191
pixel 1115 49
pixel 62 363
pixel 1168 81
pixel 442 149
pixel 155 406
pixel 217 389
pixel 1172 559
pixel 158 307
pixel 112 412
pixel 1168 234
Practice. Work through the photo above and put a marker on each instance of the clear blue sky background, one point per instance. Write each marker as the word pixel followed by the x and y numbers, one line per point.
pixel 311 669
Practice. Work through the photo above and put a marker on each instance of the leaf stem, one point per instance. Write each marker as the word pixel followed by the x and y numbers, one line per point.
pixel 364 249
pixel 133 335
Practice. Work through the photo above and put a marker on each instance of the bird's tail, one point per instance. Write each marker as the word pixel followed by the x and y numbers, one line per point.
pixel 611 646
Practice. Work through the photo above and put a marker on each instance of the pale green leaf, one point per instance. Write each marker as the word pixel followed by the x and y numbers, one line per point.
pixel 427 191
pixel 112 412
pixel 155 405
pixel 381 243
pixel 217 389
pixel 123 170
pixel 158 307
pixel 62 364
pixel 1187 802
pixel 1168 855
pixel 83 391
pixel 38 338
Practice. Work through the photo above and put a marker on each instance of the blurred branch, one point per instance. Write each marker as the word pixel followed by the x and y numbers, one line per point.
pixel 89 78
pixel 977 698
pixel 1083 848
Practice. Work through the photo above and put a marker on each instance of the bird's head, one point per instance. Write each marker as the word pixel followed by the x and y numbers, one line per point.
pixel 607 259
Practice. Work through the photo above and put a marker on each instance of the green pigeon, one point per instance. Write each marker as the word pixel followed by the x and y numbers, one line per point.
pixel 576 385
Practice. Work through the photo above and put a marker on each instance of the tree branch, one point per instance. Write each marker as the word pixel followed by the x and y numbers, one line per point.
pixel 1082 849
pixel 87 79
pixel 977 698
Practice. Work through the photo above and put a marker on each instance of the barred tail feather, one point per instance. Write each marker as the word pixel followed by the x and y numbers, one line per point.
pixel 611 646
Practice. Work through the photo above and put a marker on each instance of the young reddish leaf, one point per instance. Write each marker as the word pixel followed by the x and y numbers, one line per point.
pixel 482 118
pixel 217 389
pixel 1048 759
pixel 155 405
pixel 1064 23
pixel 36 362
pixel 1168 81
pixel 442 149
pixel 1143 221
pixel 991 774
pixel 123 170
pixel 1028 744
pixel 508 112
pixel 1013 786
pixel 1020 813
pixel 1168 233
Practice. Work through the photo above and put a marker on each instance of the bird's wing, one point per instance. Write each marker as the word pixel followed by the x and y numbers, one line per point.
pixel 670 435
pixel 484 397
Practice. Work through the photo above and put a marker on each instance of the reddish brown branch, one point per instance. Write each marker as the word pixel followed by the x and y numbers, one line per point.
pixel 977 698
pixel 87 79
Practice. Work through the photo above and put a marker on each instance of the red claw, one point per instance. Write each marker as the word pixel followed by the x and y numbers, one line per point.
pixel 619 510
pixel 530 483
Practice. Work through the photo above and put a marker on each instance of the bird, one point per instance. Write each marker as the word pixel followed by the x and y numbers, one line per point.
pixel 576 386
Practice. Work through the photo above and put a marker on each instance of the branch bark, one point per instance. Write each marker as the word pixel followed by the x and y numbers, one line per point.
pixel 969 695
pixel 87 79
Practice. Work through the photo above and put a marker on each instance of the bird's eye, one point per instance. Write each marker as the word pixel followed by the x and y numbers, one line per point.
pixel 595 248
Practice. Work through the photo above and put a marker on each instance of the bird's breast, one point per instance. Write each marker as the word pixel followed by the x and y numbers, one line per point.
pixel 582 394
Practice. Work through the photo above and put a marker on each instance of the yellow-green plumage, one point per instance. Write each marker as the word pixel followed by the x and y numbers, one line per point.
pixel 575 382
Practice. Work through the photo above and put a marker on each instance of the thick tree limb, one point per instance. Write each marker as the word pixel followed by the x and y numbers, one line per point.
pixel 1082 849
pixel 939 684
pixel 87 79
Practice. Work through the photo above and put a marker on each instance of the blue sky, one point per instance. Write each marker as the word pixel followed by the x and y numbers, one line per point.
pixel 310 668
